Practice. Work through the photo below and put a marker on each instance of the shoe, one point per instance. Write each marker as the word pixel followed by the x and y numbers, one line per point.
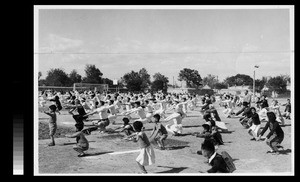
pixel 51 144
pixel 81 155
pixel 252 139
pixel 270 151
pixel 199 152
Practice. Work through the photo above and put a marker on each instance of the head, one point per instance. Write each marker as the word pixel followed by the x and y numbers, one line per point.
pixel 206 127
pixel 137 104
pixel 253 110
pixel 52 108
pixel 101 103
pixel 208 148
pixel 156 118
pixel 271 117
pixel 125 120
pixel 77 101
pixel 110 102
pixel 137 126
pixel 211 106
pixel 246 92
pixel 288 100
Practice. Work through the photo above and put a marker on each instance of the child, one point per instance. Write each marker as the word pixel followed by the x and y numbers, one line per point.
pixel 276 109
pixel 82 143
pixel 52 123
pixel 255 127
pixel 127 128
pixel 287 110
pixel 209 133
pixel 214 159
pixel 159 132
pixel 146 156
pixel 276 135
pixel 79 118
pixel 57 103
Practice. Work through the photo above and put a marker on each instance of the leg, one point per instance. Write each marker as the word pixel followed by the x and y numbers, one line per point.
pixel 79 150
pixel 142 168
pixel 240 111
pixel 52 141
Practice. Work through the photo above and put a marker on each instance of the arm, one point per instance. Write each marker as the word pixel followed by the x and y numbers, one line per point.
pixel 73 135
pixel 91 113
pixel 273 130
pixel 264 129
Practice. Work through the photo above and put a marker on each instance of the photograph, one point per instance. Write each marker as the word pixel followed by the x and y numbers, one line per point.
pixel 163 90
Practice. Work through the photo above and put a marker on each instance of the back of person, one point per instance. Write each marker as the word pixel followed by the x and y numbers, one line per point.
pixel 219 165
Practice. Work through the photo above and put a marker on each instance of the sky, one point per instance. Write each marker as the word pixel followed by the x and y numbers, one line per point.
pixel 221 42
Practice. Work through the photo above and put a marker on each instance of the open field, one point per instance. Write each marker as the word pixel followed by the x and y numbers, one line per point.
pixel 108 153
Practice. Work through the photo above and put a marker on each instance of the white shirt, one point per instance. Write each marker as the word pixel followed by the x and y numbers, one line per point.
pixel 212 157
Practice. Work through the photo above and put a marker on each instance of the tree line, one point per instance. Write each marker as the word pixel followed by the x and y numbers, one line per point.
pixel 140 80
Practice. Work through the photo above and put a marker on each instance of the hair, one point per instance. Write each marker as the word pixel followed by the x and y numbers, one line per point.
pixel 271 116
pixel 208 145
pixel 102 102
pixel 138 125
pixel 52 107
pixel 157 116
pixel 252 108
pixel 206 126
pixel 138 103
pixel 125 120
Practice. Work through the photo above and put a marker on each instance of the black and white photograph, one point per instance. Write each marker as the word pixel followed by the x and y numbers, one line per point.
pixel 164 90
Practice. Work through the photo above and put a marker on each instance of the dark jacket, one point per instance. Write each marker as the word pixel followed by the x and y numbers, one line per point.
pixel 275 128
pixel 218 165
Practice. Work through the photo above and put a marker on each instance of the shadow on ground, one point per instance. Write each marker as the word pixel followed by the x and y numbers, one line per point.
pixel 97 153
pixel 176 147
pixel 285 152
pixel 172 169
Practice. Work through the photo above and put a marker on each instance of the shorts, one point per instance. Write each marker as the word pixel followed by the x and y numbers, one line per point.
pixel 275 140
pixel 79 126
pixel 82 148
pixel 103 123
pixel 52 128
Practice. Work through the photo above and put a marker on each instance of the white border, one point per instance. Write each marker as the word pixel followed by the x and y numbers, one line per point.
pixel 175 7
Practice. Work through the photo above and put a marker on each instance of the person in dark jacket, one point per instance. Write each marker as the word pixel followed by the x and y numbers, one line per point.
pixel 246 117
pixel 276 134
pixel 214 159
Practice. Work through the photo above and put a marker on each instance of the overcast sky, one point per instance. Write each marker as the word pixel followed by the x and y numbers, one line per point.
pixel 221 42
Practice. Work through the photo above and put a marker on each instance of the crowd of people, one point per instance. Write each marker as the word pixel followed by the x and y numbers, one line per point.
pixel 156 108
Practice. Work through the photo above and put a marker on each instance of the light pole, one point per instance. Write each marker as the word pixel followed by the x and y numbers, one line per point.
pixel 256 66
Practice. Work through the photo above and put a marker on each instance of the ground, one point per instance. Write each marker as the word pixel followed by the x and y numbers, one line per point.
pixel 249 157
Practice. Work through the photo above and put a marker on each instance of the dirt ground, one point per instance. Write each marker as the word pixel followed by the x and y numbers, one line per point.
pixel 249 157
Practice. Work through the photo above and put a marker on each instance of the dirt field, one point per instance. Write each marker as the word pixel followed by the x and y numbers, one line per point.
pixel 250 157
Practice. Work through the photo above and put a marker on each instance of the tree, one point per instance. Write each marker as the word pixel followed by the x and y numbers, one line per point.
pixel 259 85
pixel 160 82
pixel 210 80
pixel 93 74
pixel 39 75
pixel 277 84
pixel 107 81
pixel 239 80
pixel 192 77
pixel 57 77
pixel 74 77
pixel 220 86
pixel 145 78
pixel 133 81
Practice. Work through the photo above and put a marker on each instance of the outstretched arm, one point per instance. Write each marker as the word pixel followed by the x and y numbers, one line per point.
pixel 73 135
